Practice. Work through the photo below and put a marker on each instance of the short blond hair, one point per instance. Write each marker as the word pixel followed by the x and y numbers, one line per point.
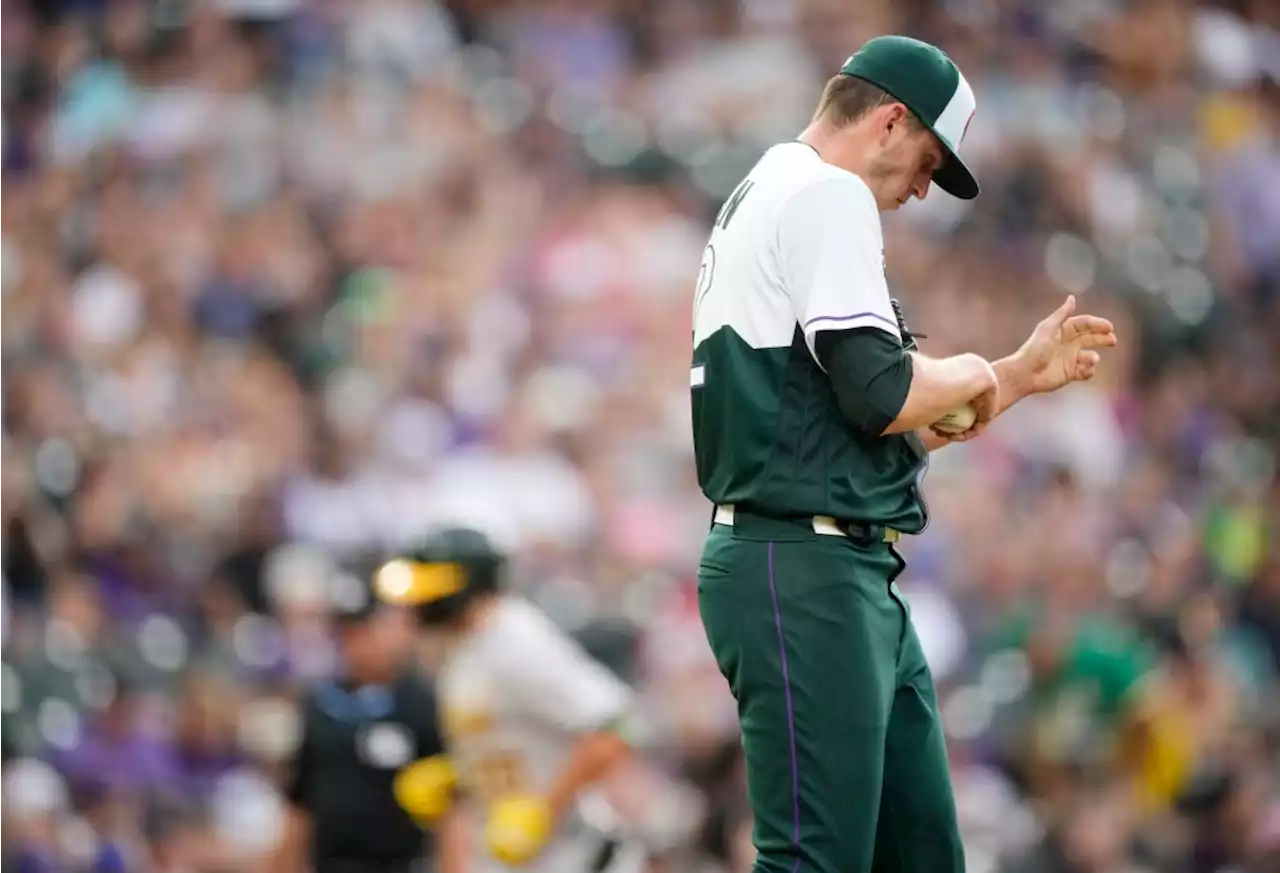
pixel 847 98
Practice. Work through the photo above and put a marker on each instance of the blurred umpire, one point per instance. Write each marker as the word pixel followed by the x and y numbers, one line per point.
pixel 362 731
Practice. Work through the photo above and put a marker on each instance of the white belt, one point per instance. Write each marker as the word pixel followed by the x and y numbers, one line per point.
pixel 825 525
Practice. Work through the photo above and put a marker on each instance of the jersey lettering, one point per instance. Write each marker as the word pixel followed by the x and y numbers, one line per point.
pixel 731 205
pixel 499 774
pixel 706 274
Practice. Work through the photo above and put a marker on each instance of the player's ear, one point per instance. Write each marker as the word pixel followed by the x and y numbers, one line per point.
pixel 889 118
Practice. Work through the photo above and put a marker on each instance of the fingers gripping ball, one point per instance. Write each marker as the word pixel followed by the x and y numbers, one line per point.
pixel 958 421
pixel 424 789
pixel 518 828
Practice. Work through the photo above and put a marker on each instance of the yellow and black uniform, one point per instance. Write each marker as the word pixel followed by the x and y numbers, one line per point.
pixel 517 696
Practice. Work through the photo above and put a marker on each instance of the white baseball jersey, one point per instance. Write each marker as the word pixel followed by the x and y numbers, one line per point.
pixel 515 695
pixel 797 244
pixel 796 250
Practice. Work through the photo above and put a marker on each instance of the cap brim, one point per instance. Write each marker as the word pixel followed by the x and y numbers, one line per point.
pixel 954 177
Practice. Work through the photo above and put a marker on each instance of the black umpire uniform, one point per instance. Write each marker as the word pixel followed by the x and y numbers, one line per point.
pixel 356 736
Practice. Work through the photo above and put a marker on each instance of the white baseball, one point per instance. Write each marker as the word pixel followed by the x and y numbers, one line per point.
pixel 958 421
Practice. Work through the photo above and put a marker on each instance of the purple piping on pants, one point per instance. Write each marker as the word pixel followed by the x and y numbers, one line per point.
pixel 791 715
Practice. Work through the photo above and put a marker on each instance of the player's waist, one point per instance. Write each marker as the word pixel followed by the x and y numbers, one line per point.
pixel 751 522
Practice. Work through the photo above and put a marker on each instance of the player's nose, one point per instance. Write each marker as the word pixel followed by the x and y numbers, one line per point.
pixel 921 186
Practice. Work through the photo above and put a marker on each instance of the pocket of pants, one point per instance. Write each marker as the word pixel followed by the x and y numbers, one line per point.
pixel 717 556
pixel 712 569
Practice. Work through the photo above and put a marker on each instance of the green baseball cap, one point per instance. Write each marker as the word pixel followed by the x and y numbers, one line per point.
pixel 929 83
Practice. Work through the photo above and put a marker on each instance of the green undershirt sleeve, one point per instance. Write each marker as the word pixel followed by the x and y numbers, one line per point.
pixel 870 374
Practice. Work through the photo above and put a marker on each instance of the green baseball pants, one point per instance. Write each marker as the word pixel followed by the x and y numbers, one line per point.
pixel 845 757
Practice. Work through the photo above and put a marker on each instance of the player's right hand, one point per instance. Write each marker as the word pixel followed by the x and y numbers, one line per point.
pixel 424 788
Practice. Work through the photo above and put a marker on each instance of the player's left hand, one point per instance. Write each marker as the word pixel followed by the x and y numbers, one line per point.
pixel 1063 348
pixel 518 827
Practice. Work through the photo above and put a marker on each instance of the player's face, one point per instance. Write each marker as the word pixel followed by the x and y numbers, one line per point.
pixel 905 168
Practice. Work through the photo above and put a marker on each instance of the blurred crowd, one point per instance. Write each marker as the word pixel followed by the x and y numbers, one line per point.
pixel 286 281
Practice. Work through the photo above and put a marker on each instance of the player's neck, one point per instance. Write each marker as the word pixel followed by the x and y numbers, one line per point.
pixel 478 611
pixel 840 147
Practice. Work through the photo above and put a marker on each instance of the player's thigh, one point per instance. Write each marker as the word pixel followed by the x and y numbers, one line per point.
pixel 917 830
pixel 807 637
